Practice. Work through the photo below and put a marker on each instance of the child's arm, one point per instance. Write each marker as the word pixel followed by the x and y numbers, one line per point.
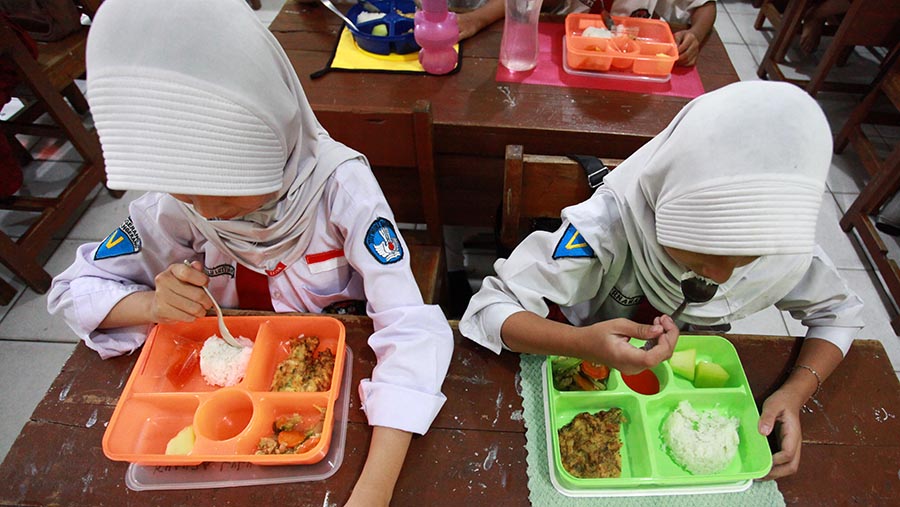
pixel 605 342
pixel 474 21
pixel 689 40
pixel 386 454
pixel 784 405
pixel 178 297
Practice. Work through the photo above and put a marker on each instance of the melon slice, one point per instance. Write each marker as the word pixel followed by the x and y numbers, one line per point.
pixel 182 443
pixel 710 374
pixel 682 363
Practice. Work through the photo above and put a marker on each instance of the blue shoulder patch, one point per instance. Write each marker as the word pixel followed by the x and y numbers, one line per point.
pixel 382 242
pixel 123 241
pixel 572 245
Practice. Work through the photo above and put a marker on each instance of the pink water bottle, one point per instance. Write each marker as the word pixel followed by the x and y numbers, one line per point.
pixel 519 46
pixel 436 32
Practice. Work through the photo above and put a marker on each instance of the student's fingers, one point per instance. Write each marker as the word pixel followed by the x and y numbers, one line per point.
pixel 785 463
pixel 665 345
pixel 631 329
pixel 187 296
pixel 192 274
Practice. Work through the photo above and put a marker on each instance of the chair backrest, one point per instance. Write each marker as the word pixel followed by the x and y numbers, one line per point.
pixel 539 186
pixel 399 144
pixel 870 23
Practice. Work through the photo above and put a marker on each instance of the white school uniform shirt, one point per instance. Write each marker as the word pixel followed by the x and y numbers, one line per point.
pixel 412 341
pixel 597 282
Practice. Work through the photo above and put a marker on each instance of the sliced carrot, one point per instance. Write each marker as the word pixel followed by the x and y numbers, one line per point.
pixel 308 444
pixel 583 383
pixel 290 438
pixel 597 371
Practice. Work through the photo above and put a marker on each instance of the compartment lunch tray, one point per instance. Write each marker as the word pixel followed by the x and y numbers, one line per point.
pixel 647 468
pixel 647 46
pixel 228 422
pixel 234 474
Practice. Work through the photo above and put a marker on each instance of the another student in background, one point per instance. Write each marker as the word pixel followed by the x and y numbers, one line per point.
pixel 691 20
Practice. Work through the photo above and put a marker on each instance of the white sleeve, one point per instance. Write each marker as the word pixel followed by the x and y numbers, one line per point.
pixel 824 303
pixel 526 281
pixel 412 341
pixel 126 261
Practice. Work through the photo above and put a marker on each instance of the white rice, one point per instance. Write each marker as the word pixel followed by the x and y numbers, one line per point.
pixel 702 442
pixel 224 365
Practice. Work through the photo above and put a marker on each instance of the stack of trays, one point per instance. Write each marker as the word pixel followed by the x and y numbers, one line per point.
pixel 647 467
pixel 228 422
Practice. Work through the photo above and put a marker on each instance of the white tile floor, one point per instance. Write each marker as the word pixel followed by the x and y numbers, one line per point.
pixel 34 346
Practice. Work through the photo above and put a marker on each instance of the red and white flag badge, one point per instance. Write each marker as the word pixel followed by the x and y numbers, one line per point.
pixel 326 261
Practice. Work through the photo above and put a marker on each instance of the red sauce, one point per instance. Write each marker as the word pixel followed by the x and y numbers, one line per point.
pixel 186 360
pixel 644 382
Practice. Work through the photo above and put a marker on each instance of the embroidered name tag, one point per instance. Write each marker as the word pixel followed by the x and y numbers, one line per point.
pixel 123 241
pixel 326 261
pixel 220 270
pixel 382 242
pixel 572 245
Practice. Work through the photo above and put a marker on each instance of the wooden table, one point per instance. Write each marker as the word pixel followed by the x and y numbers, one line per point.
pixel 851 436
pixel 475 117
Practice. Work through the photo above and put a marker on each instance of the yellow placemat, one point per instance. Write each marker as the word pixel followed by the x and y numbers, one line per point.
pixel 348 56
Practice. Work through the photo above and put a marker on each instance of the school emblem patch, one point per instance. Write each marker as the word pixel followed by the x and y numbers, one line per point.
pixel 382 242
pixel 572 245
pixel 123 241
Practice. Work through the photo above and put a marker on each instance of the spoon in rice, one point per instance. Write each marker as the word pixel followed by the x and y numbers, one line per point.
pixel 226 335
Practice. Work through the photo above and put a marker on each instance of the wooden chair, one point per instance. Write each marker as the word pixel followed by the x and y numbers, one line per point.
pixel 46 84
pixel 870 23
pixel 538 187
pixel 885 173
pixel 399 144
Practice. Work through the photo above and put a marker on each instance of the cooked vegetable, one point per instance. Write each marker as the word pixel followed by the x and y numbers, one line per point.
pixel 597 371
pixel 569 374
pixel 294 434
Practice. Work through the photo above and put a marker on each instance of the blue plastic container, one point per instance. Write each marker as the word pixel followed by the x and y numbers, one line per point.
pixel 400 38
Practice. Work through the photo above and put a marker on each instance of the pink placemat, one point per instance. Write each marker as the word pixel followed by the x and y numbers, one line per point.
pixel 549 71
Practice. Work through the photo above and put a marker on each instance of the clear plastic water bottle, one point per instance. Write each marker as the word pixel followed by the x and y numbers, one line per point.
pixel 519 47
pixel 436 31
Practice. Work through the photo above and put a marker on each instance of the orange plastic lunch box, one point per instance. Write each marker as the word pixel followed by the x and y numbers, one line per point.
pixel 644 46
pixel 228 422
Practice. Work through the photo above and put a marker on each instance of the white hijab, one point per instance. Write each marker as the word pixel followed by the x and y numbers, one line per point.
pixel 740 171
pixel 197 97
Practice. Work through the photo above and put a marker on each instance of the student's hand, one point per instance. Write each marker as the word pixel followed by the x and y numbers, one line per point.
pixel 179 295
pixel 781 413
pixel 688 48
pixel 607 342
pixel 469 24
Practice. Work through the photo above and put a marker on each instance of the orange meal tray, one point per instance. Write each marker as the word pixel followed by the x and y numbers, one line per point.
pixel 229 421
pixel 644 47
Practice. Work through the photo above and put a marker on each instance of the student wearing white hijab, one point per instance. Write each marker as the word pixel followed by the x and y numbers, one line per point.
pixel 196 103
pixel 729 191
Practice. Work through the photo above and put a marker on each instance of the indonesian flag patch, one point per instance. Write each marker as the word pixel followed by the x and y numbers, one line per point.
pixel 326 261
pixel 382 242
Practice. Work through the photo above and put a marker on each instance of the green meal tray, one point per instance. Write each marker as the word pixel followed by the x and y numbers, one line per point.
pixel 647 468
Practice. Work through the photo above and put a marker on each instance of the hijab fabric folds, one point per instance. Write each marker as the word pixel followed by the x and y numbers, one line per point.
pixel 197 97
pixel 740 171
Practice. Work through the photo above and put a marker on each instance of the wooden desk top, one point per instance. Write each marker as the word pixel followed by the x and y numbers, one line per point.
pixel 475 116
pixel 850 453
